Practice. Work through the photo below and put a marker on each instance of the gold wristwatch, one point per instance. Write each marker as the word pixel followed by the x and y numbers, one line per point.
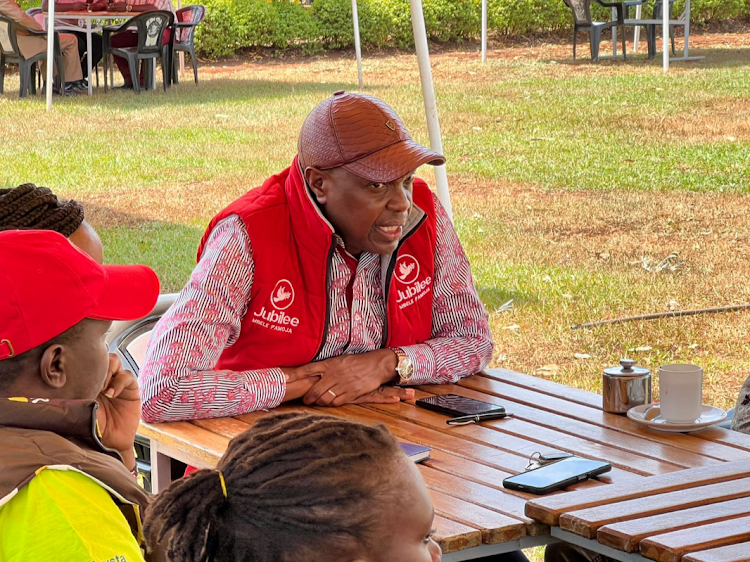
pixel 405 367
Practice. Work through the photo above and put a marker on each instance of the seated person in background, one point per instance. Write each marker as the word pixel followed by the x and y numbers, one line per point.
pixel 32 46
pixel 96 47
pixel 300 488
pixel 30 207
pixel 340 275
pixel 130 38
pixel 69 412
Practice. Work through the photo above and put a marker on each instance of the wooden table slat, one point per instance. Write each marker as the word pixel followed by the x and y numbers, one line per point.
pixel 586 522
pixel 670 547
pixel 526 437
pixel 188 438
pixel 479 494
pixel 627 535
pixel 453 536
pixel 731 438
pixel 549 509
pixel 619 422
pixel 546 387
pixel 593 433
pixel 495 527
pixel 733 553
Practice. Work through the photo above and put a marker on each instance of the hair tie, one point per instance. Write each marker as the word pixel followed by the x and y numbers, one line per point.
pixel 223 485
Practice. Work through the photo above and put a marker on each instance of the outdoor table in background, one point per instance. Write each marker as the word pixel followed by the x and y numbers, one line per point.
pixel 89 29
pixel 476 516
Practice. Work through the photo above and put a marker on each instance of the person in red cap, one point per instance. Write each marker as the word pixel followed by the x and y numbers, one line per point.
pixel 338 277
pixel 69 412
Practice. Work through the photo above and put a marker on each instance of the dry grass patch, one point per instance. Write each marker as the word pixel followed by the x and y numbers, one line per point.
pixel 715 120
pixel 570 257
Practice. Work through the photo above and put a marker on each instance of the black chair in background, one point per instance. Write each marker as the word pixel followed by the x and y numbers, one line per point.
pixel 582 21
pixel 34 12
pixel 11 54
pixel 657 15
pixel 187 20
pixel 150 28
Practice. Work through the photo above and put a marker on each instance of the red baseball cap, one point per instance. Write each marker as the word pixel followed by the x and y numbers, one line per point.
pixel 363 135
pixel 48 285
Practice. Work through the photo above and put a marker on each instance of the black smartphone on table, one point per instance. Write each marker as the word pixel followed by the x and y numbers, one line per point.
pixel 457 406
pixel 557 475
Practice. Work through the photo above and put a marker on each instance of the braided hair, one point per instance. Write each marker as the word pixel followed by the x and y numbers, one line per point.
pixel 298 487
pixel 30 207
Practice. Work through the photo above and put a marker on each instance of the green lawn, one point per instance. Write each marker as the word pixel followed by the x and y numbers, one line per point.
pixel 567 179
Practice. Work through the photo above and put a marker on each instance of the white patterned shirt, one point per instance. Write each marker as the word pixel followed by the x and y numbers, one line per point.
pixel 178 378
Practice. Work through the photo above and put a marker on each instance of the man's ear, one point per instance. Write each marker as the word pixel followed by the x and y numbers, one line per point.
pixel 52 366
pixel 316 179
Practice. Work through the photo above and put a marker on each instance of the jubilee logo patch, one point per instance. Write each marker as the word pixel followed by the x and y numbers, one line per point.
pixel 283 295
pixel 277 320
pixel 407 273
pixel 407 269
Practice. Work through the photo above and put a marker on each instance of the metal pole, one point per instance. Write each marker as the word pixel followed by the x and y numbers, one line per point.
pixel 665 33
pixel 88 55
pixel 357 48
pixel 430 105
pixel 637 32
pixel 687 27
pixel 182 55
pixel 484 30
pixel 671 314
pixel 51 53
pixel 614 34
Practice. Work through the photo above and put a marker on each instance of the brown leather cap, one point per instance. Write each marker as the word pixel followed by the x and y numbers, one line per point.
pixel 362 134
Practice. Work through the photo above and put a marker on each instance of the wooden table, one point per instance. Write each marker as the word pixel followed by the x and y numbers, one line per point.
pixel 476 516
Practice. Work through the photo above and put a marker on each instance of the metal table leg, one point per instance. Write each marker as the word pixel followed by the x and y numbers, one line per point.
pixel 88 54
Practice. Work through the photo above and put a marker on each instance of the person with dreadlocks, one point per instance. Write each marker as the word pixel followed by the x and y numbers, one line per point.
pixel 29 207
pixel 298 487
pixel 339 277
pixel 68 411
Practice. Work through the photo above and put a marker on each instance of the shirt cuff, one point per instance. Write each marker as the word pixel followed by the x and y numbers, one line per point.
pixel 268 385
pixel 423 359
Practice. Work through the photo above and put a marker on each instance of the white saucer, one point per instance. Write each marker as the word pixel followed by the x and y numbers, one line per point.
pixel 648 415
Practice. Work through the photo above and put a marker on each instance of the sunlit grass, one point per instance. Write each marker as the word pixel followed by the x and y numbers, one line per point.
pixel 569 181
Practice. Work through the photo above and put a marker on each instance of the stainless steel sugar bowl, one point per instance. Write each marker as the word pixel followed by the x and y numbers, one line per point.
pixel 626 386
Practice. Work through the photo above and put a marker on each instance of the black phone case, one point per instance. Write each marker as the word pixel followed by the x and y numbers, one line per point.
pixel 454 405
pixel 508 482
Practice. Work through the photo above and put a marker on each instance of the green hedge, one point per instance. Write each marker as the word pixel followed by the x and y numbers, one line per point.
pixel 233 25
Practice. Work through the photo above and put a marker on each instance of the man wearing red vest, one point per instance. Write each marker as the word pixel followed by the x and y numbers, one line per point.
pixel 337 277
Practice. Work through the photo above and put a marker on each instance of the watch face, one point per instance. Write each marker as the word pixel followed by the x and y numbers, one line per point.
pixel 405 367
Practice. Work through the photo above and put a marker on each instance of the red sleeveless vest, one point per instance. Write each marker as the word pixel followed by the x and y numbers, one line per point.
pixel 292 244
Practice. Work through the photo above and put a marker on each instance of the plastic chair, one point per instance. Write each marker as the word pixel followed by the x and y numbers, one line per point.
pixel 128 340
pixel 151 27
pixel 11 54
pixel 187 20
pixel 33 12
pixel 582 21
pixel 657 15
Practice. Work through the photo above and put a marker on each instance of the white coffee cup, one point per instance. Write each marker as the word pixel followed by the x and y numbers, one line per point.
pixel 681 392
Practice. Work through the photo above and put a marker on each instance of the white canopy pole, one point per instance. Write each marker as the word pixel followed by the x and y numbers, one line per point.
pixel 484 30
pixel 637 31
pixel 430 105
pixel 51 52
pixel 665 32
pixel 357 48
